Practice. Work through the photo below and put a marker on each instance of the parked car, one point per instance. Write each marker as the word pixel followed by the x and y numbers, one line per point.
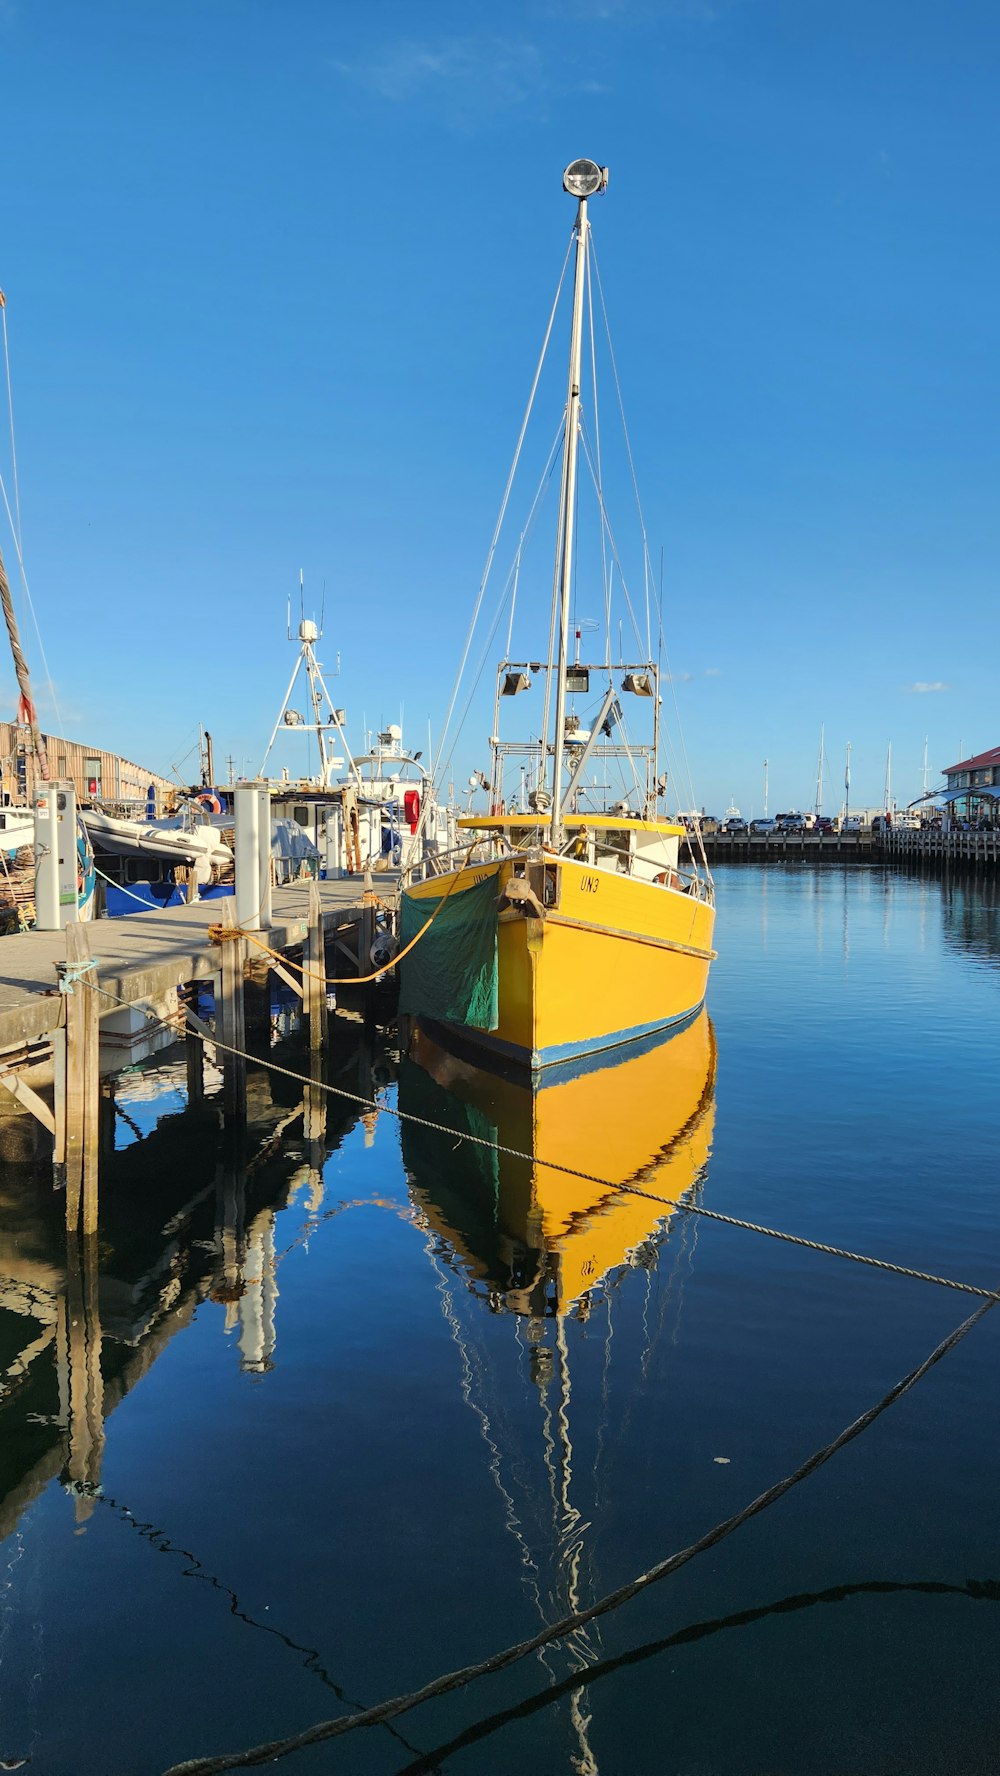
pixel 853 824
pixel 763 827
pixel 823 824
pixel 791 823
pixel 735 824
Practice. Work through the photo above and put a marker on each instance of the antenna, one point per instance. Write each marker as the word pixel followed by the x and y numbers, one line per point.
pixel 322 614
pixel 302 608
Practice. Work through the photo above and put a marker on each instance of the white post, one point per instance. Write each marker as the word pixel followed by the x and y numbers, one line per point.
pixel 264 854
pixel 56 895
pixel 249 801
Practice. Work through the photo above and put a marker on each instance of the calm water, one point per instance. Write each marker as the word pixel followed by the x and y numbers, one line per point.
pixel 382 1403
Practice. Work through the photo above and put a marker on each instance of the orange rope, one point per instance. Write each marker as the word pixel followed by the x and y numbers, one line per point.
pixel 220 934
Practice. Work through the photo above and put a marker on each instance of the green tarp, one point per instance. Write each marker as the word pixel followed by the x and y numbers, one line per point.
pixel 452 972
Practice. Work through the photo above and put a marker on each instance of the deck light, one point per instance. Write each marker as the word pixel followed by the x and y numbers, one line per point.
pixel 584 178
pixel 514 682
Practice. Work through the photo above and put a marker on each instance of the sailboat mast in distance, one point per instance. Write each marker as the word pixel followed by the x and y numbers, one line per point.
pixel 819 773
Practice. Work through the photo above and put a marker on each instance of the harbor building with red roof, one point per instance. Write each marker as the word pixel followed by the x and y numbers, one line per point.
pixel 973 792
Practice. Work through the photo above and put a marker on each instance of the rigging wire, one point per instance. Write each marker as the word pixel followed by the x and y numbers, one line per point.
pixel 628 448
pixel 15 526
pixel 506 496
pixel 512 577
pixel 688 781
pixel 605 581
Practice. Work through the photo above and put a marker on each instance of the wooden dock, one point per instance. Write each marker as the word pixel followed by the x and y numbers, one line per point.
pixel 87 1001
pixel 147 955
pixel 773 847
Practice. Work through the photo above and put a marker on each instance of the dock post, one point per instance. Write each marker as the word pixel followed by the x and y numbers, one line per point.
pixel 194 1056
pixel 369 917
pixel 56 868
pixel 314 976
pixel 264 874
pixel 247 808
pixel 79 1100
pixel 230 1021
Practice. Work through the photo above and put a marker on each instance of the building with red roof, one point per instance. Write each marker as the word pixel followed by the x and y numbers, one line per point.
pixel 973 792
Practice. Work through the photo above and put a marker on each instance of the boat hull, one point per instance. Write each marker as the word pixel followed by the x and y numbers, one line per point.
pixel 596 961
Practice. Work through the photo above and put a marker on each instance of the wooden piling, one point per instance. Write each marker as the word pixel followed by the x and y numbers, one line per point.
pixel 230 1020
pixel 314 977
pixel 194 1058
pixel 77 1095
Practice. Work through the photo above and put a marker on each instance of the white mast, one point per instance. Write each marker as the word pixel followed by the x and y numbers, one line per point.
pixel 923 786
pixel 318 693
pixel 847 782
pixel 888 777
pixel 819 772
pixel 765 789
pixel 582 179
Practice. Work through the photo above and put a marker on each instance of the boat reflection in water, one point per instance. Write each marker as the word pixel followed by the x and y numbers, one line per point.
pixel 547 1249
pixel 539 1237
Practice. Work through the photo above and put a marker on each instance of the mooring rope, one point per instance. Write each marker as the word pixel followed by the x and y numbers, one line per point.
pixel 220 934
pixel 453 1680
pixel 677 1206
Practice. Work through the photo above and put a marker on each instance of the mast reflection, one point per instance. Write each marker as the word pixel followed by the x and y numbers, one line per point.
pixel 546 1246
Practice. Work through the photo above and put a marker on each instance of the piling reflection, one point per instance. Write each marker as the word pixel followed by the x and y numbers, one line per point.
pixel 970 912
pixel 537 1236
pixel 185 1216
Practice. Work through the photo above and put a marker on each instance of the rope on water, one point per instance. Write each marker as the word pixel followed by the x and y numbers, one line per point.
pixel 676 1206
pixel 453 1680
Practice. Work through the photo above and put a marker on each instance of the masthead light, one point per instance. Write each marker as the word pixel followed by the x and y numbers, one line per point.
pixel 584 178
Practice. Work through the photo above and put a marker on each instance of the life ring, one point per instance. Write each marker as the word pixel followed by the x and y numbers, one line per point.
pixel 667 879
pixel 210 801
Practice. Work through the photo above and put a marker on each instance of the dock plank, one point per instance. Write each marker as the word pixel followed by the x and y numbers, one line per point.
pixel 146 954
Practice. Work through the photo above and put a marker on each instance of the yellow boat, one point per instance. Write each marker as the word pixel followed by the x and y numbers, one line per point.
pixel 556 933
pixel 532 1233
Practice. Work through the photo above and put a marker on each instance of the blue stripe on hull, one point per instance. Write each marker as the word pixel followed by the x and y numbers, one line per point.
pixel 564 1056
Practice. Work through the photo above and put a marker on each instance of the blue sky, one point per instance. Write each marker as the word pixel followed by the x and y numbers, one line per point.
pixel 276 278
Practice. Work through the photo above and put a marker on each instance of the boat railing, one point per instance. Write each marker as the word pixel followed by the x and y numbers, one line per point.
pixel 494 847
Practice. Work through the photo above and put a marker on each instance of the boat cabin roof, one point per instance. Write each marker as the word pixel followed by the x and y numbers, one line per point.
pixel 575 822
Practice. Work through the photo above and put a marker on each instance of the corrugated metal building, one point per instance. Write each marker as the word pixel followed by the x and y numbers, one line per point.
pixel 96 774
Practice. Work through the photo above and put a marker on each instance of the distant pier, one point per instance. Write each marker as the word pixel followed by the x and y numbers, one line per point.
pixel 927 848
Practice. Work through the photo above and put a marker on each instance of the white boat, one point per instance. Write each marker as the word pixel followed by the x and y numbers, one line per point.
pixel 17 829
pixel 370 811
pixel 200 848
